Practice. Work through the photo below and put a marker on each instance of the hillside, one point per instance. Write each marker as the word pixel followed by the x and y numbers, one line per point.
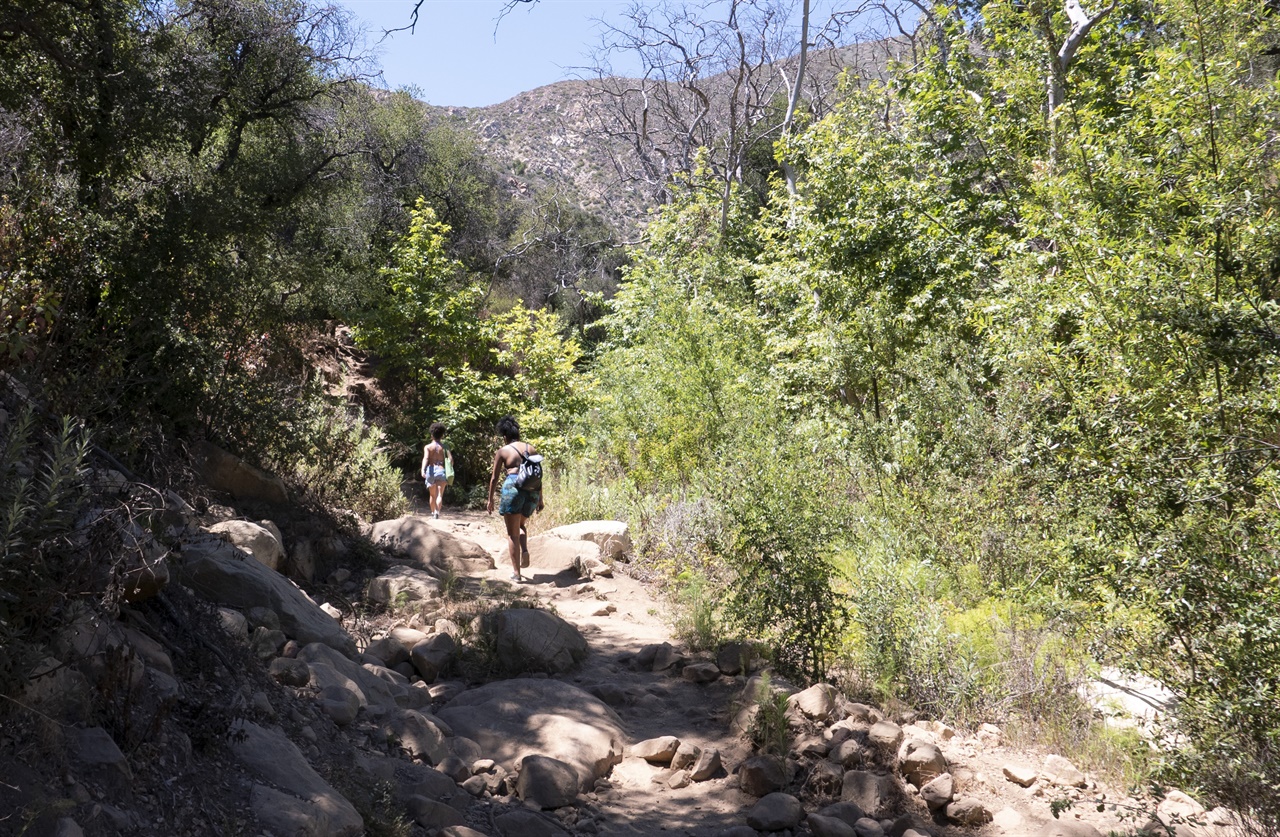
pixel 556 137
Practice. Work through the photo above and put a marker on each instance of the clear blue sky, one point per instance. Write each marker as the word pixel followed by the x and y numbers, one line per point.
pixel 457 57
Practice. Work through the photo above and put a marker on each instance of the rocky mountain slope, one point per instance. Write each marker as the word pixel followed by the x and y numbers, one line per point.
pixel 556 137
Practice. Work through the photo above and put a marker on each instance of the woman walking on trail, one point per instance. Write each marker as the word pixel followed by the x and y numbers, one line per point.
pixel 518 504
pixel 434 456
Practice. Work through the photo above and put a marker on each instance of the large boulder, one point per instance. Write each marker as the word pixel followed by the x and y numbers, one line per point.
pixel 330 668
pixel 429 548
pixel 222 574
pixel 557 555
pixel 226 472
pixel 402 585
pixel 256 539
pixel 526 639
pixel 299 798
pixel 611 536
pixel 511 719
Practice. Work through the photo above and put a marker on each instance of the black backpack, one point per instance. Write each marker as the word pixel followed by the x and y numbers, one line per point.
pixel 529 476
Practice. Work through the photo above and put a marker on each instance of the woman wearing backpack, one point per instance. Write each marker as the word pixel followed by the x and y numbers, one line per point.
pixel 435 458
pixel 518 502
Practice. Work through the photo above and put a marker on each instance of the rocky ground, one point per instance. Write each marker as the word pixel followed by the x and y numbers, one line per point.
pixel 425 693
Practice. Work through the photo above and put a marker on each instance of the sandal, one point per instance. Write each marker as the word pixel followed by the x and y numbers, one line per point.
pixel 524 559
pixel 516 577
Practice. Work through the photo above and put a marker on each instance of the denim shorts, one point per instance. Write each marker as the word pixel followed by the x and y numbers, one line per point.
pixel 517 500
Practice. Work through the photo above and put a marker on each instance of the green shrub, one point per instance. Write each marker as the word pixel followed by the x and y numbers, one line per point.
pixel 45 561
pixel 695 611
pixel 341 461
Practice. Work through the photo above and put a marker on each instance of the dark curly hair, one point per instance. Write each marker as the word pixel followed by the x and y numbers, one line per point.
pixel 509 428
pixel 438 430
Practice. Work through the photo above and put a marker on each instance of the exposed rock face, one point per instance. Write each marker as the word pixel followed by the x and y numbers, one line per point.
pixel 220 573
pixel 430 548
pixel 227 472
pixel 511 719
pixel 304 802
pixel 535 640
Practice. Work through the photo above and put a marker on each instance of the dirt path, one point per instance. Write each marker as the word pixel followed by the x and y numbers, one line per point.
pixel 656 704
pixel 639 803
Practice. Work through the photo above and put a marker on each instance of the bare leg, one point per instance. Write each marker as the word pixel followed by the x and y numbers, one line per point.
pixel 437 498
pixel 515 535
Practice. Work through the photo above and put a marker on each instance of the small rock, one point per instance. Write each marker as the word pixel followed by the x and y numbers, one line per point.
pixel 686 755
pixel 1020 774
pixel 886 735
pixel 1007 819
pixel 827 777
pixel 657 750
pixel 1059 771
pixel 871 792
pixel 775 812
pixel 921 762
pixel 1068 828
pixel 937 792
pixel 867 827
pixel 761 775
pixel 968 811
pixel 829 827
pixel 990 735
pixel 701 672
pixel 707 765
pixel 817 702
pixel 431 814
